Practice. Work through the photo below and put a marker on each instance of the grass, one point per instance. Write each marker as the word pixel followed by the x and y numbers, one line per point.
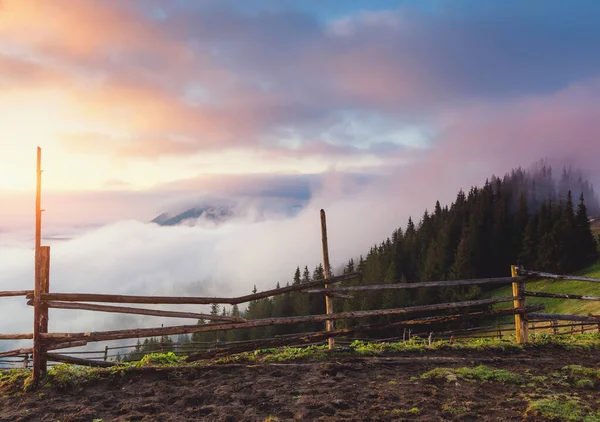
pixel 73 376
pixel 561 306
pixel 570 376
pixel 161 359
pixel 456 409
pixel 14 380
pixel 400 412
pixel 480 373
pixel 562 407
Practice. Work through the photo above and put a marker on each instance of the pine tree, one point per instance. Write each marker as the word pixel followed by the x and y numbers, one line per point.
pixel 306 275
pixel 463 268
pixel 350 267
pixel 297 279
pixel 569 235
pixel 586 245
pixel 318 273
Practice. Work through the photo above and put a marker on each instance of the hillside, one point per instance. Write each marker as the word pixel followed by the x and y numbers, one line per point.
pixel 562 306
pixel 535 218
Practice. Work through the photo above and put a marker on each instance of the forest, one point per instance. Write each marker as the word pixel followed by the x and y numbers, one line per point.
pixel 528 217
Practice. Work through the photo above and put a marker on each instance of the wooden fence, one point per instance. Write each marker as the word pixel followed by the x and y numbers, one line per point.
pixel 524 316
pixel 45 343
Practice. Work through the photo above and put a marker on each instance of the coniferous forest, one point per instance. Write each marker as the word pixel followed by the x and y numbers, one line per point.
pixel 531 218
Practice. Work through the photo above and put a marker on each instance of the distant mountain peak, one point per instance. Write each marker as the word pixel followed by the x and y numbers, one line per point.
pixel 191 216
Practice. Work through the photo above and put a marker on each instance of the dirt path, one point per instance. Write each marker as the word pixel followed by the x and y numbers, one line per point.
pixel 352 389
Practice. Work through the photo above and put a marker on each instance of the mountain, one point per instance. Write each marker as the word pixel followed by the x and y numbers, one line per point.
pixel 207 211
pixel 192 215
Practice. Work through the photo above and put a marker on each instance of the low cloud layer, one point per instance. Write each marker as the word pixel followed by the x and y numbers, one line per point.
pixel 133 257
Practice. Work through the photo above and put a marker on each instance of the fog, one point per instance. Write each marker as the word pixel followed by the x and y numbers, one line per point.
pixel 135 257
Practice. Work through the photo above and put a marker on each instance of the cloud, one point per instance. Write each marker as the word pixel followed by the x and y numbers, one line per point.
pixel 562 127
pixel 202 76
pixel 131 257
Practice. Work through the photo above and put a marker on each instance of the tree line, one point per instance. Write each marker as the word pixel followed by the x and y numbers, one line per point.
pixel 526 217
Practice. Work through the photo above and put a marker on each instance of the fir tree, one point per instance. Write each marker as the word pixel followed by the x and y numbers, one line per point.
pixel 350 267
pixel 306 275
pixel 297 279
pixel 586 245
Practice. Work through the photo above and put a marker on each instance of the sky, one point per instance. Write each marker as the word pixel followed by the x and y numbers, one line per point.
pixel 370 109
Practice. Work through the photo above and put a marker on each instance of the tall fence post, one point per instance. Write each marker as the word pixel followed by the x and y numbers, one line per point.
pixel 521 326
pixel 37 344
pixel 328 302
pixel 45 288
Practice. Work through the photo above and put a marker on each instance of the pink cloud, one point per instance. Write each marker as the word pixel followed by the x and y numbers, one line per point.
pixel 83 28
pixel 476 142
pixel 259 74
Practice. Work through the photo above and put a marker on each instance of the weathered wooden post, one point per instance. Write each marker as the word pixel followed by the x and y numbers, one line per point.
pixel 521 326
pixel 45 275
pixel 37 344
pixel 328 302
pixel 105 353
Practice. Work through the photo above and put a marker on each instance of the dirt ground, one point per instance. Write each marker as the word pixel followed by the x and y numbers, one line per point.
pixel 348 389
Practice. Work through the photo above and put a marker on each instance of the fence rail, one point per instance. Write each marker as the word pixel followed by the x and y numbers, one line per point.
pixel 138 311
pixel 540 274
pixel 16 293
pixel 187 300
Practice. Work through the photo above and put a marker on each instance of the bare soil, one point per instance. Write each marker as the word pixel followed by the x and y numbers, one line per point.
pixel 345 389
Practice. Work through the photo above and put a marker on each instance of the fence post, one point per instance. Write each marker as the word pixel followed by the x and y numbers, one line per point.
pixel 105 353
pixel 37 344
pixel 521 326
pixel 45 288
pixel 328 302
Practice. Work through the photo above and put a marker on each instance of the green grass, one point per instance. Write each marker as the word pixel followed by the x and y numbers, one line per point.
pixel 401 412
pixel 73 376
pixel 480 373
pixel 162 359
pixel 562 407
pixel 561 306
pixel 14 380
pixel 456 409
